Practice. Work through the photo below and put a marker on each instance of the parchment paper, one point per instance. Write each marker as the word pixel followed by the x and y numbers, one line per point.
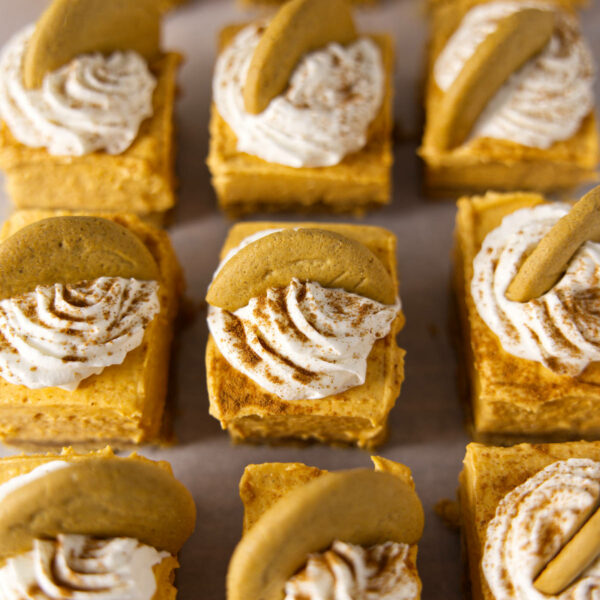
pixel 426 424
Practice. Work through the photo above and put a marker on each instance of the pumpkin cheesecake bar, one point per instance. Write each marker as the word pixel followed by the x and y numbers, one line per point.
pixel 312 147
pixel 279 365
pixel 535 127
pixel 105 147
pixel 530 368
pixel 114 391
pixel 519 506
pixel 273 492
pixel 91 525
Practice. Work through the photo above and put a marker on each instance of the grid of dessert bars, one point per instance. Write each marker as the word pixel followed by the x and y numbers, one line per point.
pixel 253 241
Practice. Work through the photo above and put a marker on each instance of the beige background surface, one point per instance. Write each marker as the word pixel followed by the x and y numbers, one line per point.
pixel 426 425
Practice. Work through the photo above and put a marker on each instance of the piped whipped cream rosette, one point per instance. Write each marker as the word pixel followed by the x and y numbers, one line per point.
pixel 378 572
pixel 77 295
pixel 533 522
pixel 304 341
pixel 82 567
pixel 324 114
pixel 545 99
pixel 332 85
pixel 307 324
pixel 95 102
pixel 561 328
pixel 53 555
pixel 60 334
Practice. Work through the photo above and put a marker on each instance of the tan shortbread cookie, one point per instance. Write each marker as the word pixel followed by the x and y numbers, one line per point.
pixel 71 27
pixel 103 497
pixel 71 249
pixel 328 258
pixel 574 558
pixel 358 506
pixel 550 258
pixel 299 26
pixel 516 39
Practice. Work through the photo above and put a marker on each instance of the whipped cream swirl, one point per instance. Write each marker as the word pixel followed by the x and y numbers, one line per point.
pixel 303 341
pixel 82 568
pixel 533 522
pixel 92 103
pixel 543 102
pixel 346 571
pixel 60 334
pixel 333 95
pixel 560 329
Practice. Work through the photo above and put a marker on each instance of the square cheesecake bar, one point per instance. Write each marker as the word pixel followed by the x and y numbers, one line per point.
pixel 484 163
pixel 139 180
pixel 125 403
pixel 164 570
pixel 263 485
pixel 489 474
pixel 358 415
pixel 512 398
pixel 247 184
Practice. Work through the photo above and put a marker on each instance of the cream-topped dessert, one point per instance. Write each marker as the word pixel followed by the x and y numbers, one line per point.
pixel 380 572
pixel 546 100
pixel 324 114
pixel 86 526
pixel 59 334
pixel 303 320
pixel 94 102
pixel 561 328
pixel 303 341
pixel 77 566
pixel 533 522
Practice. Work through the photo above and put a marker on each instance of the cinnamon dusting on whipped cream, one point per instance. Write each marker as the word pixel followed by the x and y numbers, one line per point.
pixel 95 102
pixel 533 522
pixel 380 572
pixel 82 567
pixel 333 95
pixel 561 328
pixel 543 102
pixel 303 341
pixel 60 334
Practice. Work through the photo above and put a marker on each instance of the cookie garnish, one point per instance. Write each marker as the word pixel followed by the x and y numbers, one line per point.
pixel 549 260
pixel 327 258
pixel 300 26
pixel 102 497
pixel 516 39
pixel 71 27
pixel 71 249
pixel 573 559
